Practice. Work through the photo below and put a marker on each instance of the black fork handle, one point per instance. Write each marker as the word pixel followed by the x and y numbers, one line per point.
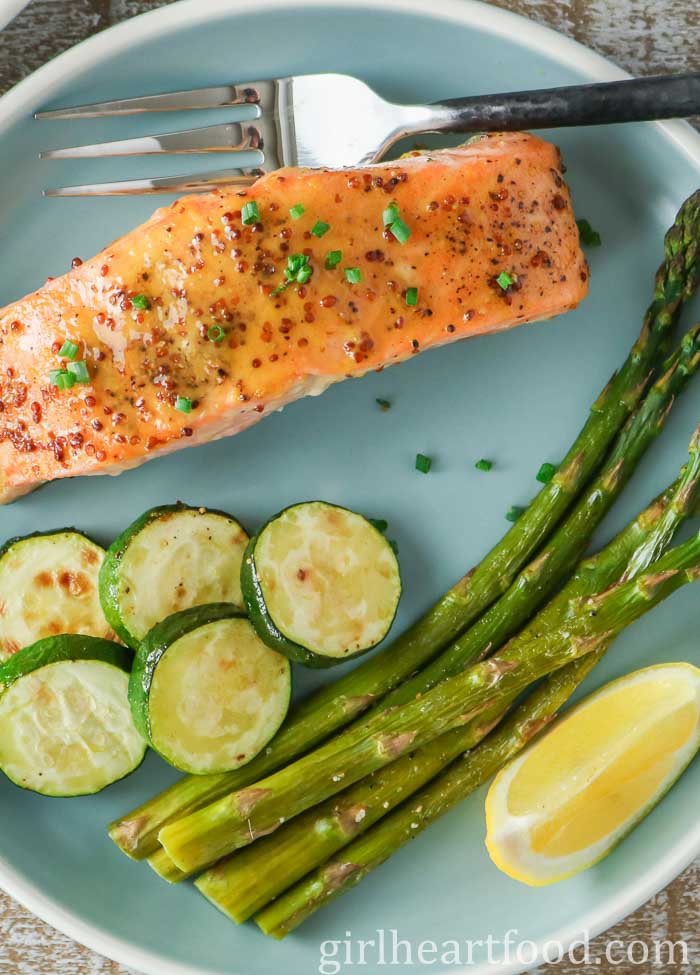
pixel 633 100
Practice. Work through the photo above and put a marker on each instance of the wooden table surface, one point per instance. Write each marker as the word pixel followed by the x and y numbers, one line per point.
pixel 644 36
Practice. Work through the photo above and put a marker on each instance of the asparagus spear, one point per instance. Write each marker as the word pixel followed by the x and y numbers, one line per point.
pixel 161 863
pixel 682 502
pixel 339 874
pixel 336 705
pixel 380 842
pixel 244 816
pixel 245 882
pixel 552 563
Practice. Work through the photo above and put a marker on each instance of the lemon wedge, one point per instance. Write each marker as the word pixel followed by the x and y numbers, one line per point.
pixel 572 795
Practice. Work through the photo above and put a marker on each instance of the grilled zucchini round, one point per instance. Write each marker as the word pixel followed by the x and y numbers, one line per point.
pixel 169 559
pixel 49 585
pixel 321 584
pixel 65 723
pixel 206 692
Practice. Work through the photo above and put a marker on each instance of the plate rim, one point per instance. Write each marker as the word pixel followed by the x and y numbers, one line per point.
pixel 27 94
pixel 9 9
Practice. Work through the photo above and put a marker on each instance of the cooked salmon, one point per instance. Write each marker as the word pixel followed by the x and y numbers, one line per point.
pixel 226 306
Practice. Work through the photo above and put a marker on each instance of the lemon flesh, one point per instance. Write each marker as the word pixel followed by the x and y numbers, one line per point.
pixel 572 795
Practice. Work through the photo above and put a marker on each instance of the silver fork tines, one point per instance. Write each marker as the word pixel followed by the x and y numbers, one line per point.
pixel 222 96
pixel 226 137
pixel 257 136
pixel 195 183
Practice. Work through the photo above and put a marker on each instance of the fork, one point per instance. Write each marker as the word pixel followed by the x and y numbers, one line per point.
pixel 336 121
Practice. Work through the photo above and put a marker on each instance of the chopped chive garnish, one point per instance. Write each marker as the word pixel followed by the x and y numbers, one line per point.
pixel 589 236
pixel 423 463
pixel 333 259
pixel 514 512
pixel 296 262
pixel 391 214
pixel 384 405
pixel 483 464
pixel 68 350
pixel 546 472
pixel 298 269
pixel 411 296
pixel 400 230
pixel 79 371
pixel 296 211
pixel 61 378
pixel 250 213
pixel 215 333
pixel 353 275
pixel 183 404
pixel 320 228
pixel 379 523
pixel 141 302
pixel 504 280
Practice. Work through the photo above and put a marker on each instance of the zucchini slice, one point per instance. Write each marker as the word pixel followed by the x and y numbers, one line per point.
pixel 49 585
pixel 65 723
pixel 169 559
pixel 206 692
pixel 321 584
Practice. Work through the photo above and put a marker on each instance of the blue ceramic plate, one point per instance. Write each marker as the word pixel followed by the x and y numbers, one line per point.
pixel 518 398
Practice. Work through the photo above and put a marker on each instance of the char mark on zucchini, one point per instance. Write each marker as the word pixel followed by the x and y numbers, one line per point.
pixel 48 586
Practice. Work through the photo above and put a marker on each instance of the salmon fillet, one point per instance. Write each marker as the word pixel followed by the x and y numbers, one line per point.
pixel 182 331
